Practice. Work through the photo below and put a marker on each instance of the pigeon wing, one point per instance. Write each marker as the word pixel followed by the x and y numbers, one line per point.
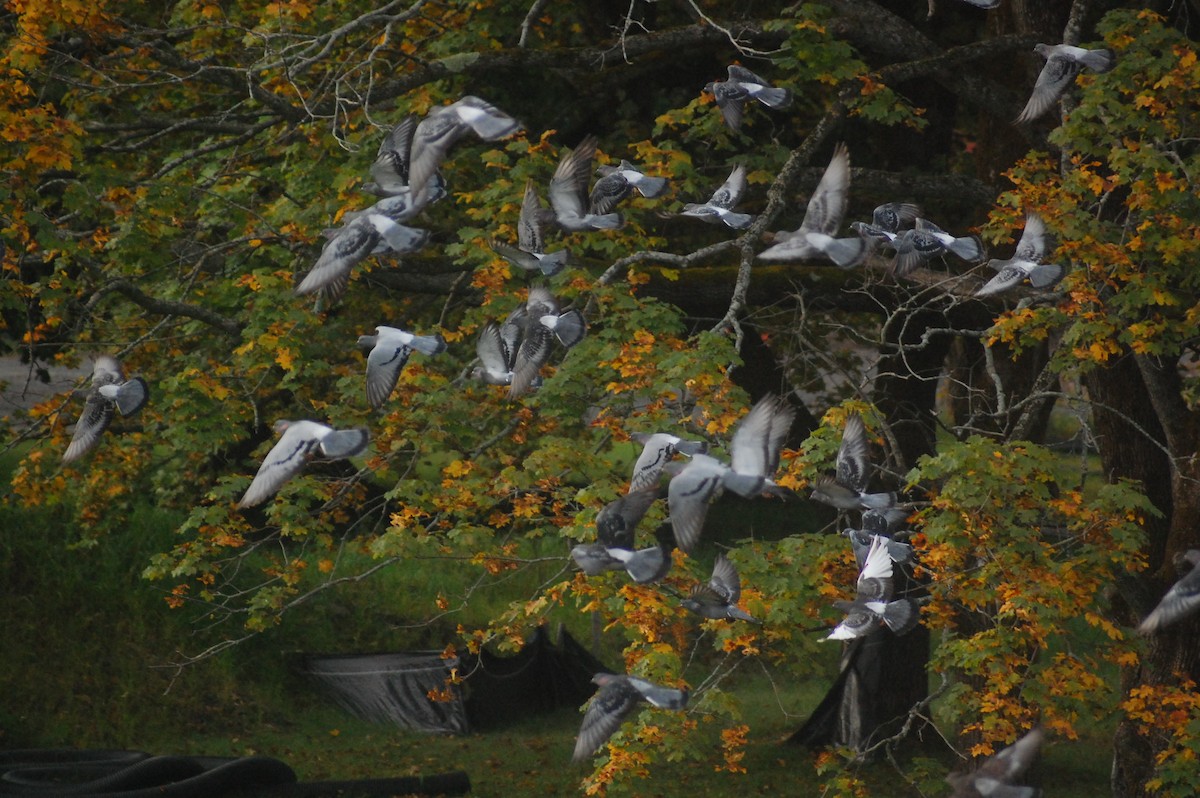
pixel 349 246
pixel 688 495
pixel 617 522
pixel 1052 81
pixel 730 192
pixel 284 461
pixel 853 464
pixel 604 716
pixel 725 581
pixel 827 205
pixel 390 169
pixel 384 364
pixel 568 186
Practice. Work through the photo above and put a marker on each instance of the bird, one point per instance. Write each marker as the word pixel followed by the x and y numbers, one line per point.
pixel 497 350
pixel 1180 601
pixel 530 252
pixel 618 182
pixel 389 349
pixel 742 85
pixel 353 242
pixel 443 127
pixel 298 442
pixel 645 565
pixel 616 698
pixel 872 607
pixel 1026 262
pixel 758 440
pixel 595 558
pixel 110 392
pixel 569 191
pixel 719 597
pixel 847 489
pixel 541 323
pixel 861 542
pixel 987 4
pixel 923 243
pixel 996 776
pixel 894 216
pixel 1063 63
pixel 398 207
pixel 390 168
pixel 657 450
pixel 822 218
pixel 719 207
pixel 617 522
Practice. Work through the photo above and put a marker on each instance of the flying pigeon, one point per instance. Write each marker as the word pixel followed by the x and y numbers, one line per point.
pixel 847 490
pixel 1181 600
pixel 822 219
pixel 719 598
pixel 541 323
pixel 615 699
pixel 110 392
pixel 1063 63
pixel 569 191
pixel 298 441
pixel 618 182
pixel 731 94
pixel 354 241
pixel 872 606
pixel 443 127
pixel 861 542
pixel 389 351
pixel 894 216
pixel 1026 262
pixel 497 349
pixel 995 777
pixel 594 559
pixel 989 4
pixel 657 451
pixel 617 522
pixel 719 207
pixel 530 252
pixel 645 565
pixel 398 207
pixel 916 247
pixel 390 169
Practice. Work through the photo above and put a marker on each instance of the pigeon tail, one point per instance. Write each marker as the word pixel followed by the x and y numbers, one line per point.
pixel 651 186
pixel 644 566
pixel 1101 60
pixel 969 248
pixel 877 501
pixel 605 221
pixel 901 616
pixel 553 263
pixel 739 614
pixel 847 252
pixel 569 328
pixel 1045 275
pixel 994 788
pixel 745 485
pixel 428 344
pixel 737 221
pixel 774 97
pixel 344 443
pixel 129 397
pixel 691 447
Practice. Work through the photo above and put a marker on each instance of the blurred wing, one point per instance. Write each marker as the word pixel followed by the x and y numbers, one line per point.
pixel 827 205
pixel 725 581
pixel 1032 244
pixel 284 461
pixel 1052 81
pixel 384 364
pixel 730 192
pixel 95 418
pixel 569 185
pixel 604 716
pixel 688 495
pixel 853 464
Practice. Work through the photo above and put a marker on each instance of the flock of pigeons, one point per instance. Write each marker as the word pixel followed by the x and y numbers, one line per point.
pixel 512 353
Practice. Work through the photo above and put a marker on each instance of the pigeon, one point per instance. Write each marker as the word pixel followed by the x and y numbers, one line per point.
pixel 916 247
pixel 541 323
pixel 398 207
pixel 988 4
pixel 1063 63
pixel 594 559
pixel 719 207
pixel 861 542
pixel 758 440
pixel 994 778
pixel 874 235
pixel 731 94
pixel 645 565
pixel 497 349
pixel 390 169
pixel 354 241
pixel 443 127
pixel 569 191
pixel 618 182
pixel 822 219
pixel 110 392
pixel 1181 600
pixel 718 599
pixel 1025 264
pixel 530 253
pixel 615 699
pixel 617 522
pixel 298 441
pixel 389 351
pixel 848 489
pixel 657 451
pixel 894 216
pixel 872 606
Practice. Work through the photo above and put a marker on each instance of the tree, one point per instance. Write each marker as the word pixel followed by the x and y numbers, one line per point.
pixel 170 174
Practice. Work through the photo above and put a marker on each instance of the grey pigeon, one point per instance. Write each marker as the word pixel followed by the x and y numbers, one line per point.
pixel 994 778
pixel 742 85
pixel 353 242
pixel 895 216
pixel 872 607
pixel 569 191
pixel 758 440
pixel 861 542
pixel 594 559
pixel 1180 601
pixel 530 252
pixel 822 218
pixel 298 442
pixel 926 241
pixel 1063 63
pixel 110 392
pixel 541 322
pixel 398 207
pixel 989 4
pixel 389 351
pixel 644 565
pixel 874 235
pixel 443 127
pixel 718 599
pixel 719 207
pixel 1026 262
pixel 616 698
pixel 497 349
pixel 390 168
pixel 617 522
pixel 848 489
pixel 618 182
pixel 657 451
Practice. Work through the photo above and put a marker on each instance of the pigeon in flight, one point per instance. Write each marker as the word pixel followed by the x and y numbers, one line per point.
pixel 110 392
pixel 616 698
pixel 1063 63
pixel 719 207
pixel 742 85
pixel 988 4
pixel 895 216
pixel 923 243
pixel 872 606
pixel 646 565
pixel 847 490
pixel 822 219
pixel 618 182
pixel 569 191
pixel 595 558
pixel 298 441
pixel 862 540
pixel 1026 262
pixel 390 168
pixel 657 451
pixel 617 522
pixel 497 349
pixel 1181 600
pixel 719 598
pixel 541 323
pixel 530 252
pixel 442 128
pixel 995 777
pixel 366 234
pixel 389 351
